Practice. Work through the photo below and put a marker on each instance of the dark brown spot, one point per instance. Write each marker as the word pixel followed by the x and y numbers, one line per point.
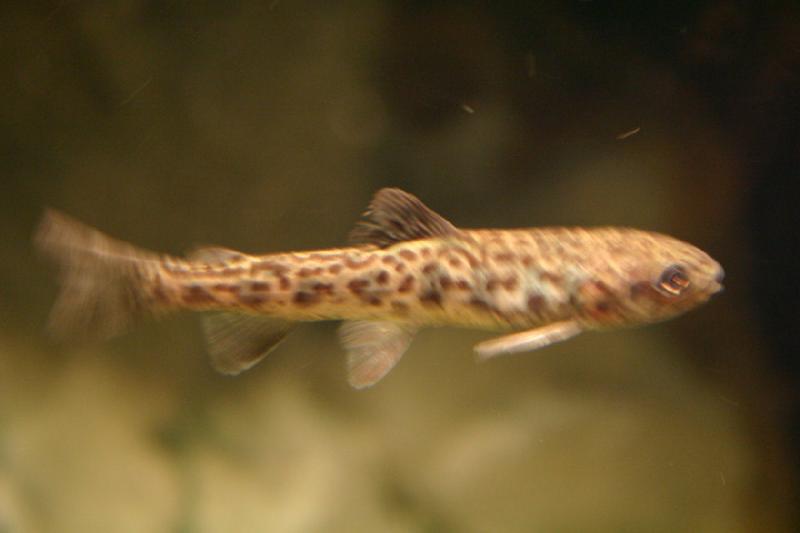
pixel 196 294
pixel 445 281
pixel 400 268
pixel 455 262
pixel 259 286
pixel 510 283
pixel 253 300
pixel 429 268
pixel 535 303
pixel 407 284
pixel 575 301
pixel 226 287
pixel 462 285
pixel 304 272
pixel 304 298
pixel 322 288
pixel 373 300
pixel 431 297
pixel 382 278
pixel 550 277
pixel 426 253
pixel 335 268
pixel 603 288
pixel 602 307
pixel 357 285
pixel 640 289
pixel 399 307
pixel 388 260
pixel 285 283
pixel 408 255
pixel 527 260
pixel 492 284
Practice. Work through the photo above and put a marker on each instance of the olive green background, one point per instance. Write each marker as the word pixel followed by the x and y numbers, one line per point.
pixel 266 126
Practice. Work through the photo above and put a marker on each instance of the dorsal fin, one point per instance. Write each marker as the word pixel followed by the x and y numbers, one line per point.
pixel 210 254
pixel 394 216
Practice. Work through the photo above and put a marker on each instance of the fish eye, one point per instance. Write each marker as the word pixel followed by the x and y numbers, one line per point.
pixel 673 280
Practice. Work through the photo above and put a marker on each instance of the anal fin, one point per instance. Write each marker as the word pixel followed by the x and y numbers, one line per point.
pixel 529 340
pixel 237 342
pixel 373 348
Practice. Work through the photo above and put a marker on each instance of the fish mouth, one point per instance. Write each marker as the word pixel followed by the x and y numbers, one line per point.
pixel 716 285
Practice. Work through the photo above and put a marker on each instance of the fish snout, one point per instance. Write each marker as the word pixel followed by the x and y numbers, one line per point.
pixel 716 285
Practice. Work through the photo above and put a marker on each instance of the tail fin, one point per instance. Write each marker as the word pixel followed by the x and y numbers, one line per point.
pixel 102 289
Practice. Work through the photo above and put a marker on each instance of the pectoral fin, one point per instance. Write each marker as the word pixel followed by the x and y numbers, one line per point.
pixel 373 348
pixel 524 341
pixel 237 342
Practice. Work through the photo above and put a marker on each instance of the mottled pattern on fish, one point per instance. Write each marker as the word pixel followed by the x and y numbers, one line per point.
pixel 490 279
pixel 410 268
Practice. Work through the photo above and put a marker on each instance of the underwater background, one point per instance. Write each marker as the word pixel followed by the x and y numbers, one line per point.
pixel 267 125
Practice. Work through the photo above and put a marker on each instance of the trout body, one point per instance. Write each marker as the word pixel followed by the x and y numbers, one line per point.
pixel 410 268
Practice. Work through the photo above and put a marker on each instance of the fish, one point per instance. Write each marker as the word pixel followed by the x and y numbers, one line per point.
pixel 406 268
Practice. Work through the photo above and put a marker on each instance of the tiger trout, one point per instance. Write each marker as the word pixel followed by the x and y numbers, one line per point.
pixel 407 268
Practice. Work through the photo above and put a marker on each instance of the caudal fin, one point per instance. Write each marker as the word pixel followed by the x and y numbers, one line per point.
pixel 102 289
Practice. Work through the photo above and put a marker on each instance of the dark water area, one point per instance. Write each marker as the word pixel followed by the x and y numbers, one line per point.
pixel 267 126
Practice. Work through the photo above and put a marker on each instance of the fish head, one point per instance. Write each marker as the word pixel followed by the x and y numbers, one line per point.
pixel 649 278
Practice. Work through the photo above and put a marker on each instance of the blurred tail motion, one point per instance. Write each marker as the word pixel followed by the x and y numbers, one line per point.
pixel 101 290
